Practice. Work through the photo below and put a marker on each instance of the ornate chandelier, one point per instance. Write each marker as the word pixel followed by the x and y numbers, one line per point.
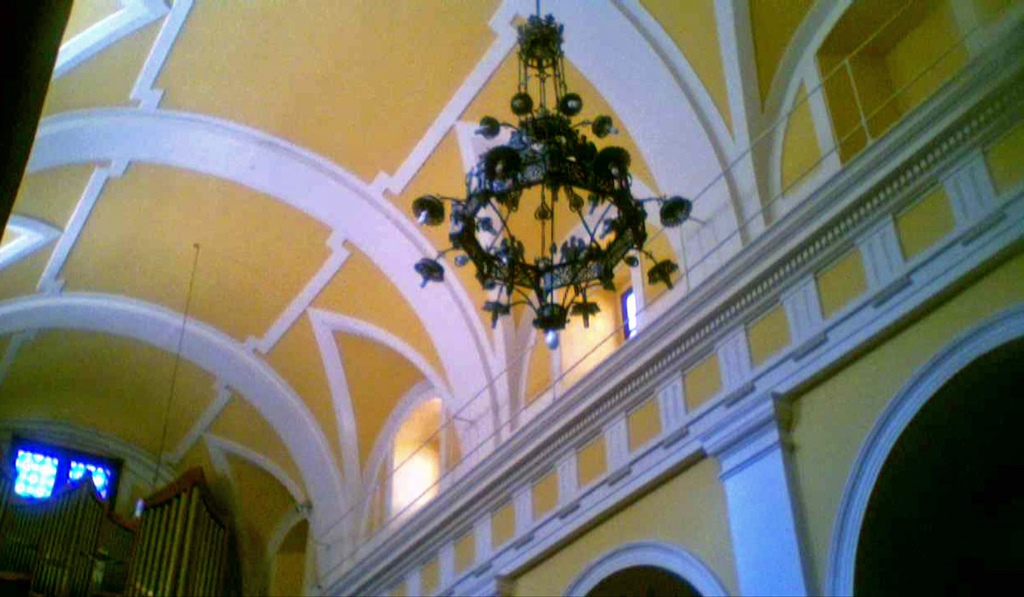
pixel 547 163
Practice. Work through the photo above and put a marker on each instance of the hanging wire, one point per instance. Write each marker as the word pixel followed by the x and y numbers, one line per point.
pixel 177 362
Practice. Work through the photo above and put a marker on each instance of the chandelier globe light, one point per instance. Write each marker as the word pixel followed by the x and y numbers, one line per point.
pixel 550 167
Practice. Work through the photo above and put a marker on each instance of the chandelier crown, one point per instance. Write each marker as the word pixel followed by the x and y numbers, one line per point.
pixel 550 162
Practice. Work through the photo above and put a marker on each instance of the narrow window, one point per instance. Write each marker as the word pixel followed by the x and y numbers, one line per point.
pixel 628 313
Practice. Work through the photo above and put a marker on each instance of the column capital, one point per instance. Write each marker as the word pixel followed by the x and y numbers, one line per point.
pixel 748 430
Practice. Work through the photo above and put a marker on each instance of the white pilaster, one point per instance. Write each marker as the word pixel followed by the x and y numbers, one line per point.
pixel 616 443
pixel 970 191
pixel 803 311
pixel 751 451
pixel 482 537
pixel 446 563
pixel 523 505
pixel 412 583
pixel 568 481
pixel 883 259
pixel 671 405
pixel 734 356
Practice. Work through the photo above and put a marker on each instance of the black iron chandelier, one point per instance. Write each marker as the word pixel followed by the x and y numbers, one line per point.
pixel 548 162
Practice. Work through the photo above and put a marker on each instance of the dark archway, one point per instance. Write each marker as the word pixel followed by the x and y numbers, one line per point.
pixel 946 515
pixel 643 581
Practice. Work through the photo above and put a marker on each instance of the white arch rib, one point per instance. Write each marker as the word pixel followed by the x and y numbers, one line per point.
pixel 214 352
pixel 290 174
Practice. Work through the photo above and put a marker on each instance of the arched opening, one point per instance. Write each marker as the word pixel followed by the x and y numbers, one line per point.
pixel 945 513
pixel 643 581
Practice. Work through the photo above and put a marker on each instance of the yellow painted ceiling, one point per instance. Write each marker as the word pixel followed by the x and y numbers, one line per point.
pixel 241 423
pixel 51 195
pixel 20 279
pixel 773 23
pixel 358 81
pixel 106 79
pixel 114 385
pixel 693 27
pixel 247 270
pixel 297 359
pixel 377 379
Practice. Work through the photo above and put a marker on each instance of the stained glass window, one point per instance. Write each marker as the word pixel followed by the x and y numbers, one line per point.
pixel 45 468
pixel 101 475
pixel 37 474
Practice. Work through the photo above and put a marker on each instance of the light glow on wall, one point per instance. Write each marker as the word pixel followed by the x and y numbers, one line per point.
pixel 629 312
pixel 415 481
pixel 37 474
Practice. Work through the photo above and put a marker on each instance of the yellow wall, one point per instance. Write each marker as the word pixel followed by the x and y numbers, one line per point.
pixel 290 562
pixel 539 373
pixel 768 335
pixel 430 577
pixel 834 417
pixel 925 223
pixel 503 525
pixel 688 510
pixel 643 424
pixel 591 462
pixel 465 551
pixel 545 495
pixel 702 382
pixel 841 283
pixel 1005 160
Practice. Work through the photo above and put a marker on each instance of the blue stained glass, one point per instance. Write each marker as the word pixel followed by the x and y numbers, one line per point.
pixel 100 475
pixel 37 474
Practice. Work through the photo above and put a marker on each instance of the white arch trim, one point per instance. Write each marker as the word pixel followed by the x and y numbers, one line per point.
pixel 325 324
pixel 31 235
pixel 295 176
pixel 996 331
pixel 258 460
pixel 672 558
pixel 134 15
pixel 210 350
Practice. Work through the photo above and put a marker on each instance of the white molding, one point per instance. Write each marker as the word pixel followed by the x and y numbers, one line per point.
pixel 881 253
pixel 32 234
pixel 446 565
pixel 412 582
pixel 49 281
pixel 734 358
pixel 203 423
pixel 686 77
pixel 143 91
pixel 673 558
pixel 134 15
pixel 750 446
pixel 803 310
pixel 284 526
pixel 253 457
pixel 970 190
pixel 568 479
pixel 305 297
pixel 616 443
pixel 522 503
pixel 504 42
pixel 212 351
pixel 483 542
pixel 297 177
pixel 671 405
pixel 325 325
pixel 984 337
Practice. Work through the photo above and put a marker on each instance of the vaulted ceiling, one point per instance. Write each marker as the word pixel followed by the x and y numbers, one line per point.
pixel 248 167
